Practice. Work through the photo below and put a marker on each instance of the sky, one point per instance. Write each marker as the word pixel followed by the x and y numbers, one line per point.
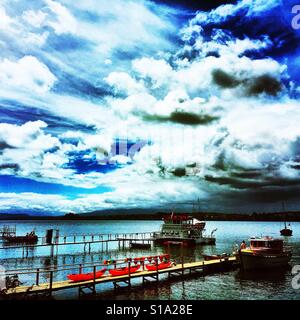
pixel 149 104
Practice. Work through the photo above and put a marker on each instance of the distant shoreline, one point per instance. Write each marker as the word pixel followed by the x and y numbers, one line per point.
pixel 210 216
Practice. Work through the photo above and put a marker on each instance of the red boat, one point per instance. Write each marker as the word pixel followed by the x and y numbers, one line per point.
pixel 160 266
pixel 86 276
pixel 123 271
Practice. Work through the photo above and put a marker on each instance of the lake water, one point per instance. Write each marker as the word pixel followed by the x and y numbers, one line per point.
pixel 228 285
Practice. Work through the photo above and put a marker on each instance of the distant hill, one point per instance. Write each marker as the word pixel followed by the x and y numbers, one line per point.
pixel 144 214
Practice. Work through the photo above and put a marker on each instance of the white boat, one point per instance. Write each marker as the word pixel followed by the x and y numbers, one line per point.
pixel 182 229
pixel 264 252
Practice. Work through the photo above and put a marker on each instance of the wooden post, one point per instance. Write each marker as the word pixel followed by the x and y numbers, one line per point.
pixel 94 286
pixel 182 258
pixel 51 282
pixel 129 273
pixel 37 276
pixel 156 261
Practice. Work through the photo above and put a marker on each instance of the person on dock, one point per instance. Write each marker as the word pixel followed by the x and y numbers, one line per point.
pixel 243 245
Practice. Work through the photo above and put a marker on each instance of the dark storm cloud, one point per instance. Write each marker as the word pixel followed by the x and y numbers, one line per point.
pixel 196 5
pixel 260 182
pixel 179 172
pixel 14 166
pixel 264 84
pixel 181 117
pixel 271 195
pixel 5 145
pixel 253 86
pixel 224 80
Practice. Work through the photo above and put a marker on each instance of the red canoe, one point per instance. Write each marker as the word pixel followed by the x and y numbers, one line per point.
pixel 123 271
pixel 162 265
pixel 86 276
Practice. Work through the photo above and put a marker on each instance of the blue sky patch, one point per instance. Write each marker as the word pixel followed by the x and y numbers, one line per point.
pixel 14 184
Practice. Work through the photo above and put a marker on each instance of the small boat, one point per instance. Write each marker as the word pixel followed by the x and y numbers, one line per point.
pixel 214 256
pixel 123 271
pixel 31 238
pixel 160 266
pixel 264 252
pixel 86 276
pixel 136 245
pixel 287 232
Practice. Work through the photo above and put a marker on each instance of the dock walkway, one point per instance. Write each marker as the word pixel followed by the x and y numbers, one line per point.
pixel 180 269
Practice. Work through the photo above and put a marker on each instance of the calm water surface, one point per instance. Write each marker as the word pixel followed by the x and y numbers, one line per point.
pixel 229 285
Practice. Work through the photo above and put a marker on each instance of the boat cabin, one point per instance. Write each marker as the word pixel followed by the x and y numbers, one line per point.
pixel 181 226
pixel 266 244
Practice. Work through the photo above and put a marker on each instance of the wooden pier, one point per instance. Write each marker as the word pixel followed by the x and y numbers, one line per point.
pixel 87 240
pixel 180 270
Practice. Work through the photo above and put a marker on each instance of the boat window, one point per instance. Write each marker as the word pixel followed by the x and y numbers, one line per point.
pixel 254 244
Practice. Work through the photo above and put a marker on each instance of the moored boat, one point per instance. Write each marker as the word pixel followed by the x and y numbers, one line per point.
pixel 124 271
pixel 183 229
pixel 287 232
pixel 159 266
pixel 30 238
pixel 86 276
pixel 265 252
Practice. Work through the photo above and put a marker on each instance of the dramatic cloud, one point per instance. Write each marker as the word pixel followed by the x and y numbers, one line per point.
pixel 147 105
pixel 27 73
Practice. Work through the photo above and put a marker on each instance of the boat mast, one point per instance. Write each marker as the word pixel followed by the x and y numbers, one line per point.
pixel 283 211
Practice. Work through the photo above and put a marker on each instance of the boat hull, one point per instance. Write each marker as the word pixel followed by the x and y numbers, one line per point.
pixel 160 266
pixel 86 276
pixel 123 271
pixel 250 261
pixel 185 241
pixel 21 239
pixel 286 232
